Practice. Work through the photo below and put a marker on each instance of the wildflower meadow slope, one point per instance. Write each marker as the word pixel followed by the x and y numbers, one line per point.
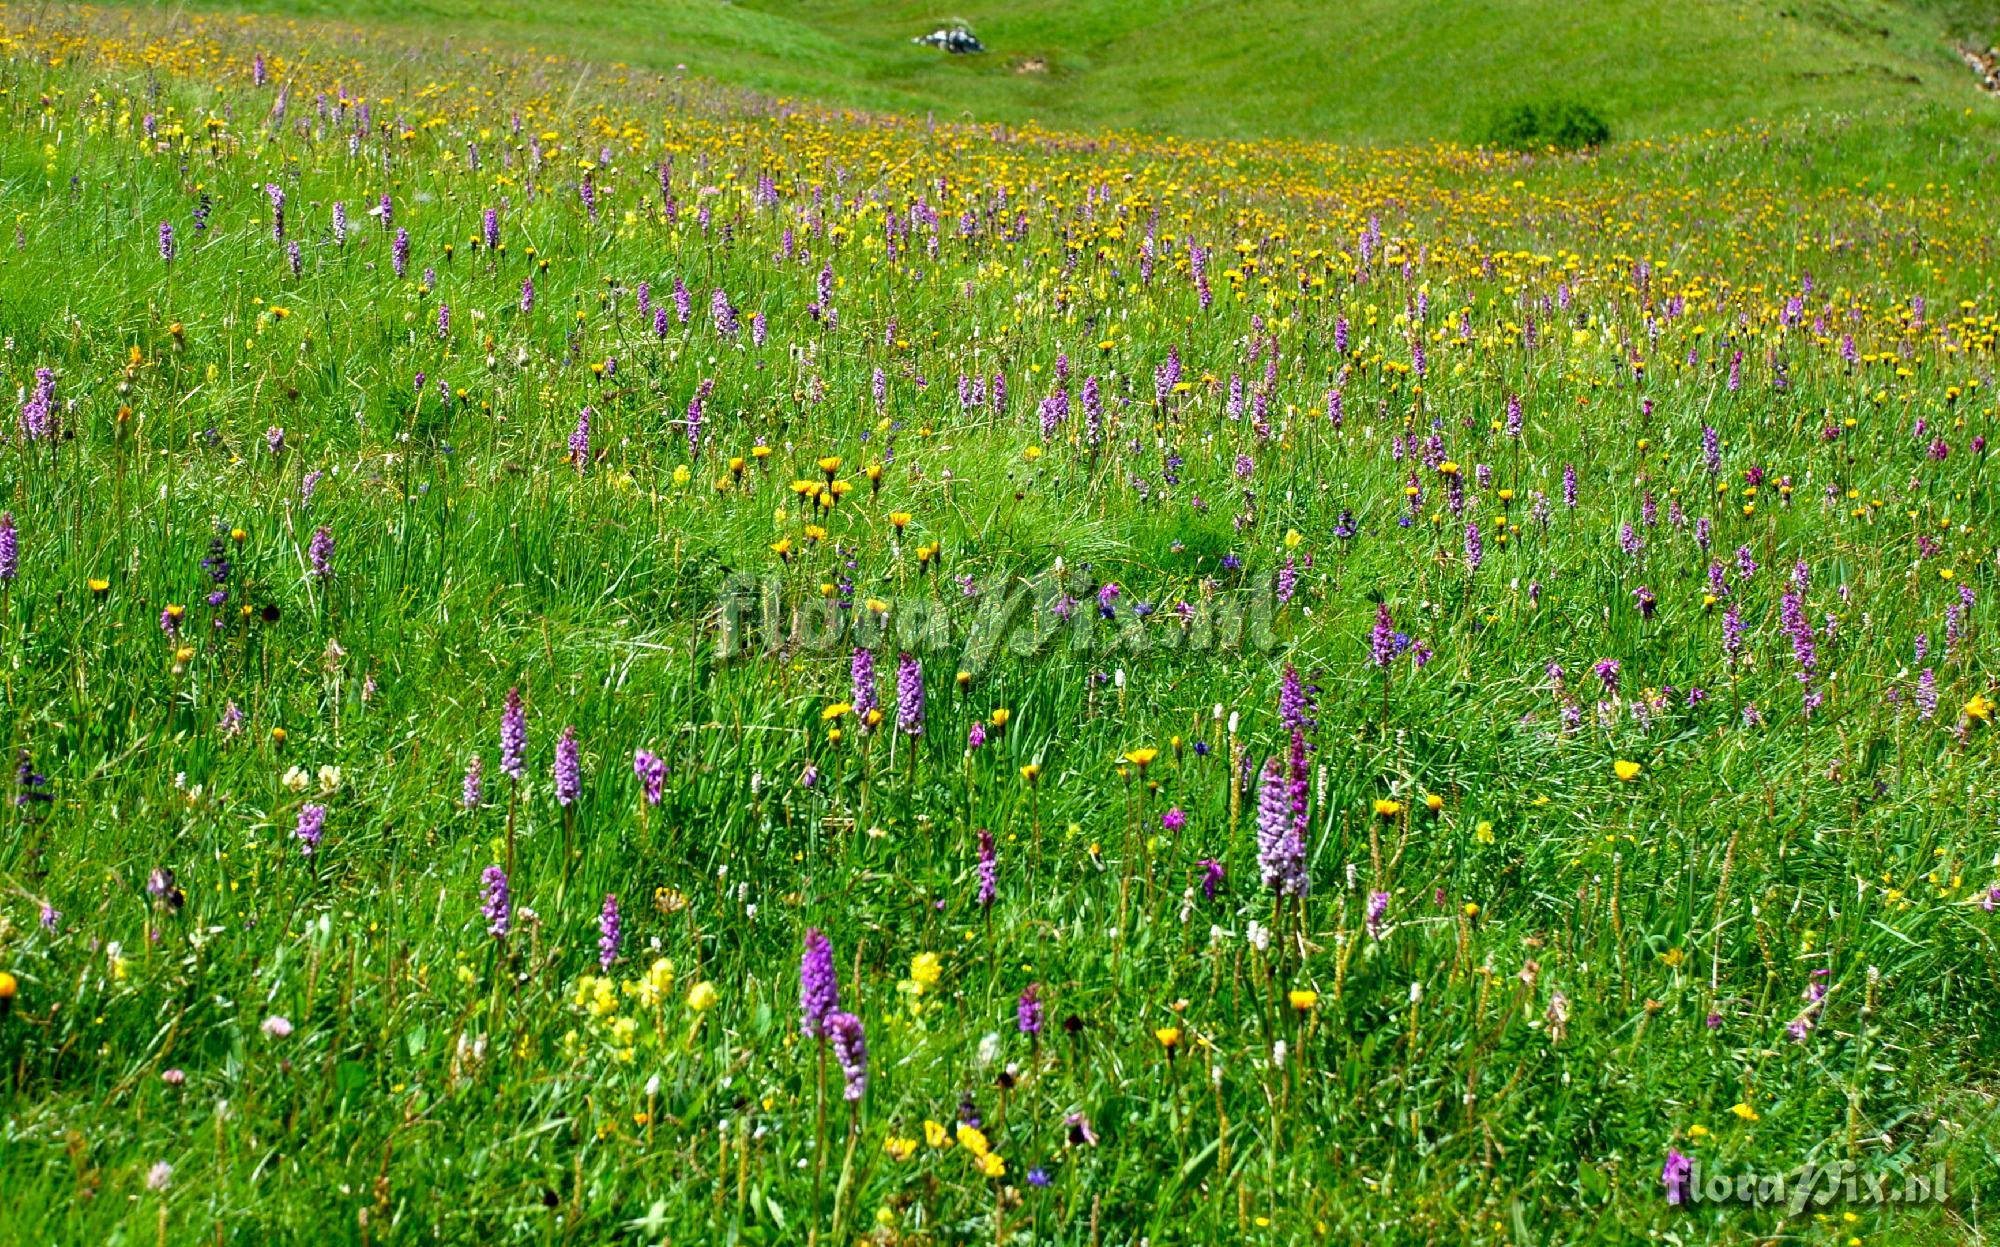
pixel 1373 70
pixel 589 656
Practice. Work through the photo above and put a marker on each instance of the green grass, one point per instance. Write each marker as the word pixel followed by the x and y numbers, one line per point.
pixel 1366 71
pixel 1513 1008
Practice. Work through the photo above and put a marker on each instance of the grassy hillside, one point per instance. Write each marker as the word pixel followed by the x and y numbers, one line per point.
pixel 1377 70
pixel 585 659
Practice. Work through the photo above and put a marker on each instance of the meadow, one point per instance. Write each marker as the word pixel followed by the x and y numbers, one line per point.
pixel 1396 71
pixel 593 655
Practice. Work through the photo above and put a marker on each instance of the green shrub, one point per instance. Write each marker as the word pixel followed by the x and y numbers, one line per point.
pixel 1563 124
